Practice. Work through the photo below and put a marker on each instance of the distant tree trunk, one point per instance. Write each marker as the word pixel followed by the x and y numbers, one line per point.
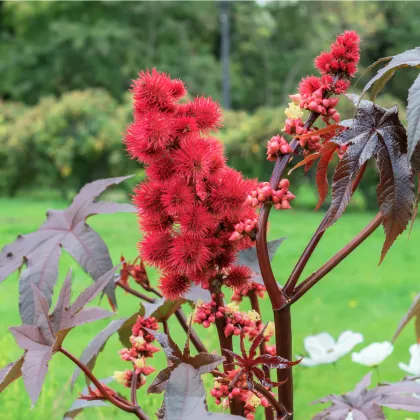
pixel 225 51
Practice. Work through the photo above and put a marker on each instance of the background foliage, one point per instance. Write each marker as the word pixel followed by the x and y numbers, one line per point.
pixel 66 68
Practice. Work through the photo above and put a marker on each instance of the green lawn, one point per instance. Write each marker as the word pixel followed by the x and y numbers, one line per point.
pixel 357 295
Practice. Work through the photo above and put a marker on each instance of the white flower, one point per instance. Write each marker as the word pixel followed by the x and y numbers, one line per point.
pixel 413 368
pixel 349 416
pixel 322 348
pixel 374 354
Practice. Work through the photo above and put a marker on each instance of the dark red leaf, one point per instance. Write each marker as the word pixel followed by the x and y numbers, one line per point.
pixel 185 397
pixel 161 381
pixel 63 228
pixel 29 337
pixel 395 191
pixel 93 290
pixel 41 318
pixel 322 172
pixel 10 373
pixel 308 159
pixel 413 116
pixel 34 369
pixel 63 302
pixel 409 58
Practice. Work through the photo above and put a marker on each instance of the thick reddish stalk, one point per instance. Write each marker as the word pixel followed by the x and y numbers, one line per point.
pixel 283 325
pixel 122 405
pixel 337 258
pixel 134 389
pixel 226 343
pixel 255 305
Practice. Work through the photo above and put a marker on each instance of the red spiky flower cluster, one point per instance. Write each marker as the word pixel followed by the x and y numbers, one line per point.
pixel 192 200
pixel 343 56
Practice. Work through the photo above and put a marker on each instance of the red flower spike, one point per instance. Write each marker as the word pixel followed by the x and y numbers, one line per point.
pixel 191 199
pixel 248 363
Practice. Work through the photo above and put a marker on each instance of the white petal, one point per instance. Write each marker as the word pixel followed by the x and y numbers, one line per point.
pixel 306 361
pixel 319 343
pixel 374 354
pixel 405 368
pixel 347 341
pixel 414 350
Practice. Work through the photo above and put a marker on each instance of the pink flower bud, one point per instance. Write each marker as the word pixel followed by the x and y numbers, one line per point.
pixel 285 205
pixel 284 183
pixel 336 117
pixel 290 196
pixel 326 103
pixel 296 98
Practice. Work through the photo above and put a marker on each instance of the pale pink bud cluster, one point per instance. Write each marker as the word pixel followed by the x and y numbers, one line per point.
pixel 280 197
pixel 296 127
pixel 251 400
pixel 237 322
pixel 206 313
pixel 317 103
pixel 246 227
pixel 277 145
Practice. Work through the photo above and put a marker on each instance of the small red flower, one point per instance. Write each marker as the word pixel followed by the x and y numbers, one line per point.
pixel 248 364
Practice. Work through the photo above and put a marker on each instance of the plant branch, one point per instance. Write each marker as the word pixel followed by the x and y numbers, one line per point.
pixel 255 305
pixel 276 297
pixel 336 259
pixel 122 405
pixel 182 319
pixel 134 389
pixel 179 313
pixel 310 248
pixel 133 292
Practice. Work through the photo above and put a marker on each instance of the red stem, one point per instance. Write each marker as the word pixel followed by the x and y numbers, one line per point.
pixel 337 258
pixel 134 389
pixel 283 326
pixel 255 305
pixel 310 248
pixel 133 292
pixel 122 405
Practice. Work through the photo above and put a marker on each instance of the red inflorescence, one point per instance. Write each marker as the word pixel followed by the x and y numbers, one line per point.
pixel 280 197
pixel 141 349
pixel 251 399
pixel 343 56
pixel 135 270
pixel 336 66
pixel 192 201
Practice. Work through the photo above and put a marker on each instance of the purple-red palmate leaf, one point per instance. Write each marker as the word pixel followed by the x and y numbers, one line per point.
pixel 376 132
pixel 185 397
pixel 10 373
pixel 248 363
pixel 366 404
pixel 42 340
pixel 409 58
pixel 202 362
pixel 413 120
pixel 41 250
